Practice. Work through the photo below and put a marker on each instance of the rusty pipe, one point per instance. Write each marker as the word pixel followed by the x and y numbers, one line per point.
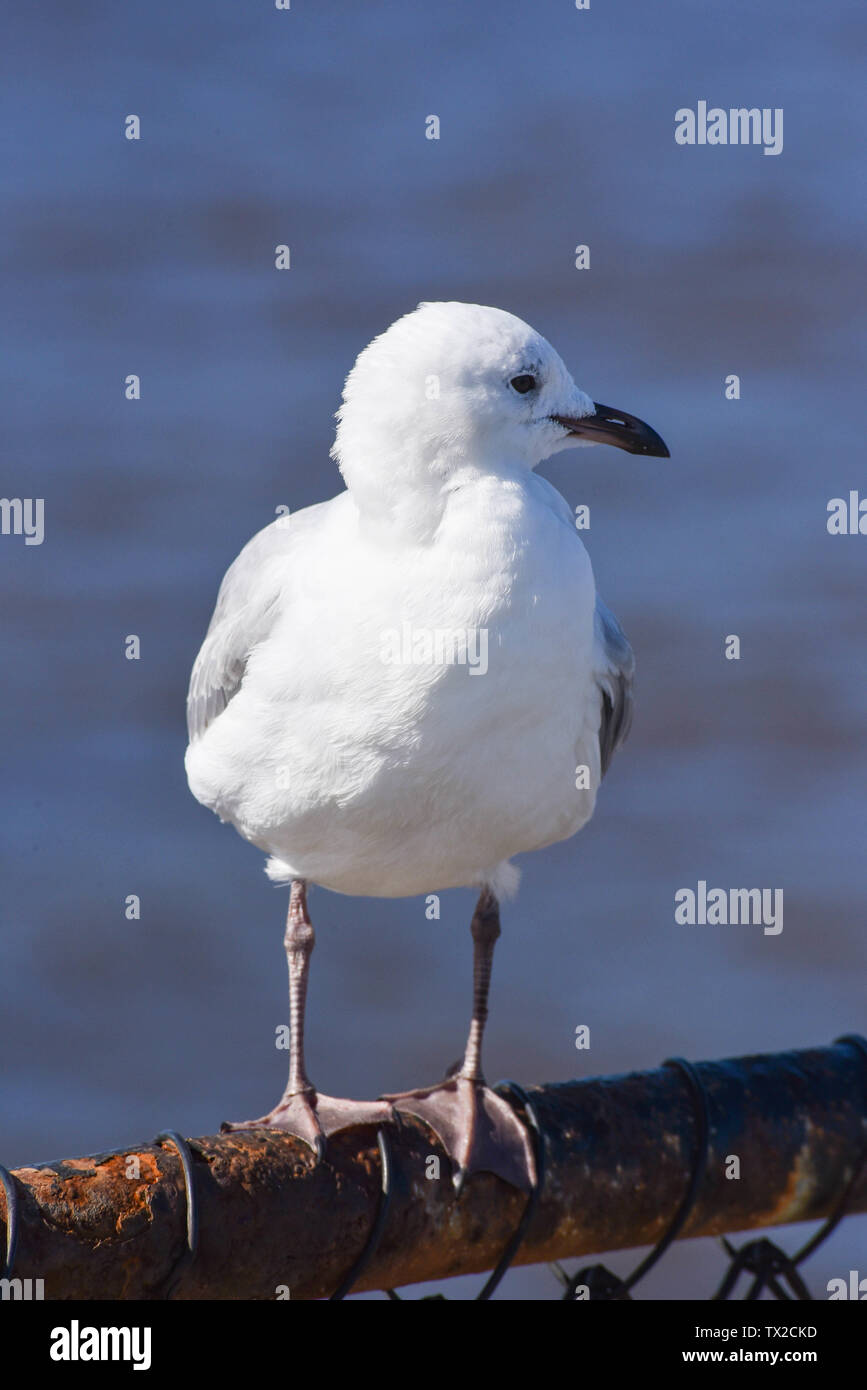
pixel 620 1149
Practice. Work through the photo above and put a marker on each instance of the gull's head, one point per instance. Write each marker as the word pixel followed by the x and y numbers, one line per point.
pixel 451 387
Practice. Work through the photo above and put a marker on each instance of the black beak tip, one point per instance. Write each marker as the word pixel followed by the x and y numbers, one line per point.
pixel 617 427
pixel 654 447
pixel 633 435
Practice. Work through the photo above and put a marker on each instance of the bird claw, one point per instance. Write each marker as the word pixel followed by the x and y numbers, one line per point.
pixel 312 1117
pixel 477 1128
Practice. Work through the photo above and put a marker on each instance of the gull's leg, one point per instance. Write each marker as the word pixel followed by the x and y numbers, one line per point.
pixel 302 1110
pixel 478 1129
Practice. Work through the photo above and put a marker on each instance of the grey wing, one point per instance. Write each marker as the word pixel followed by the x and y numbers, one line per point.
pixel 244 614
pixel 615 666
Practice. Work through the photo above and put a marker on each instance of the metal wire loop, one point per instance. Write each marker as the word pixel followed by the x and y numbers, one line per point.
pixel 12 1213
pixel 509 1090
pixel 380 1219
pixel 602 1284
pixel 192 1243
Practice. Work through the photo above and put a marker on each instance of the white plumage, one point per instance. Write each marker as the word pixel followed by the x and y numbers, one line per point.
pixel 406 686
pixel 379 777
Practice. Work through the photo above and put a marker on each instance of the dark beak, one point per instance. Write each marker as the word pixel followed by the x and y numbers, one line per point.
pixel 609 426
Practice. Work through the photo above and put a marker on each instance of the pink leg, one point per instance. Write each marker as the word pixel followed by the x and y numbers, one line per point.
pixel 477 1128
pixel 302 1111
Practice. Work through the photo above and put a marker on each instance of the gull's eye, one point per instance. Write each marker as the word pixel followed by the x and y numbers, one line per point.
pixel 523 384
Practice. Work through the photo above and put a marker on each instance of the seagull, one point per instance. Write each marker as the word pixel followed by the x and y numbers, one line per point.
pixel 404 687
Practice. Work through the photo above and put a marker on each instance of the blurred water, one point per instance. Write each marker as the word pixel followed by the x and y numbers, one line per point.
pixel 156 258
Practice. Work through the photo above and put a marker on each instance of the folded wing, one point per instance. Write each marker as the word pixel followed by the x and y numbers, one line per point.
pixel 614 669
pixel 244 614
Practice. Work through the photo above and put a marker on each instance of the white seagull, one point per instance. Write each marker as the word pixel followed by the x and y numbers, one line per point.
pixel 403 687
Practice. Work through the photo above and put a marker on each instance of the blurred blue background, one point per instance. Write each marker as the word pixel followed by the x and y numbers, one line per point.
pixel 156 257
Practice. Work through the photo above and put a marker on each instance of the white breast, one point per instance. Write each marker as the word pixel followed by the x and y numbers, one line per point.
pixel 389 777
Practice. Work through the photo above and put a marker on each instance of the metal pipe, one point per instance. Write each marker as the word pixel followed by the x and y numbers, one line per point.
pixel 787 1132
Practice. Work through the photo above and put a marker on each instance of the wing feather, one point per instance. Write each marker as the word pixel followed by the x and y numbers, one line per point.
pixel 614 676
pixel 244 614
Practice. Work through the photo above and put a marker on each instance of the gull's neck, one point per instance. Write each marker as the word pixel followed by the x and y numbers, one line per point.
pixel 402 500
